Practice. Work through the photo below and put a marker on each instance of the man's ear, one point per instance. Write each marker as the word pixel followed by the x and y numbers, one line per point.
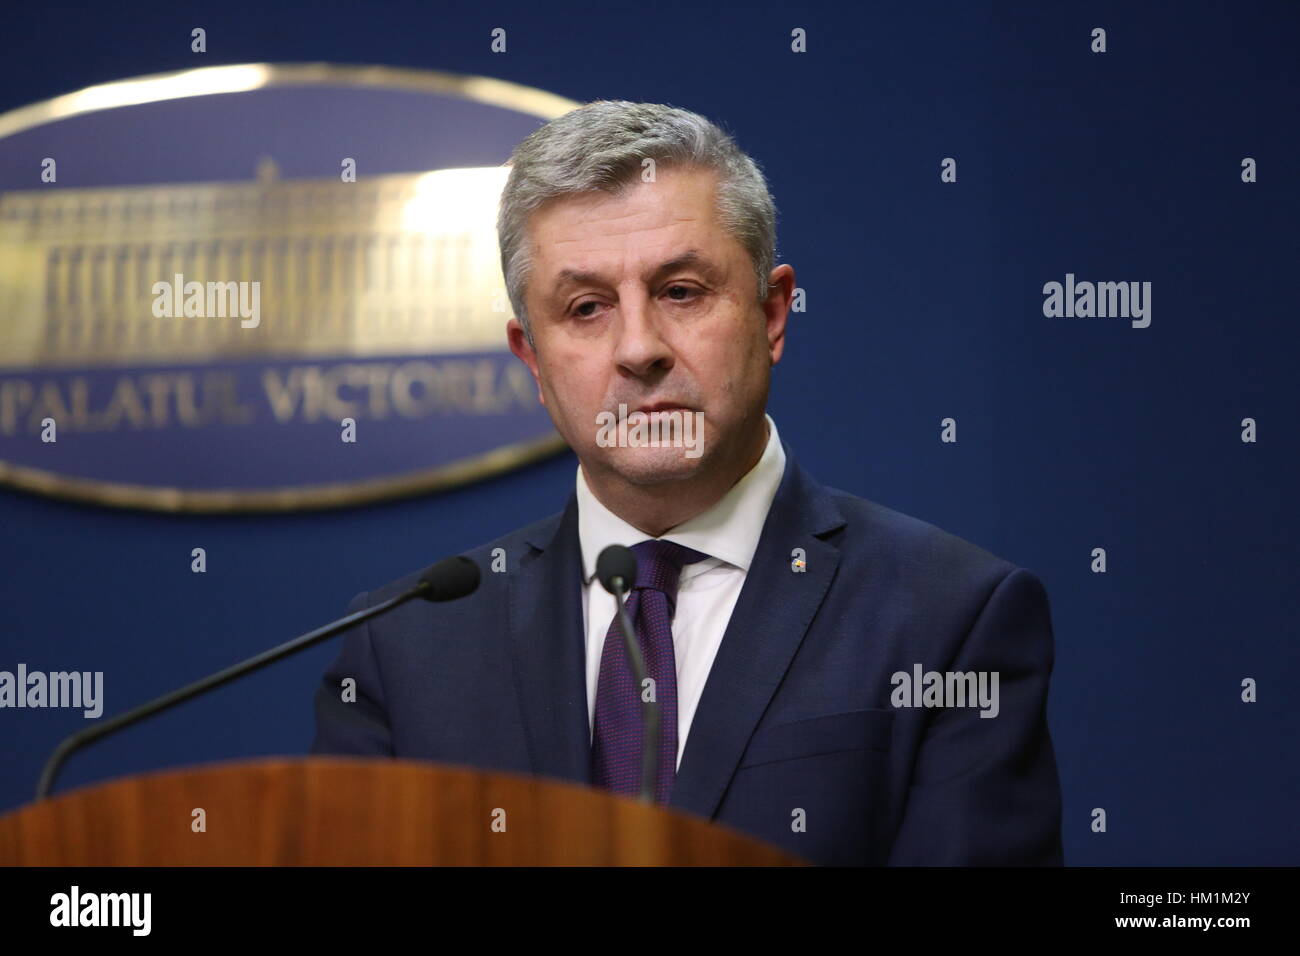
pixel 776 308
pixel 525 353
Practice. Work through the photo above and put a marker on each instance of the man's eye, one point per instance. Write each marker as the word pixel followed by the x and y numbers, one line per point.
pixel 577 310
pixel 682 288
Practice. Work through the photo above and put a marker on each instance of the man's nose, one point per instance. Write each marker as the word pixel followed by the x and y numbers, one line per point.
pixel 641 347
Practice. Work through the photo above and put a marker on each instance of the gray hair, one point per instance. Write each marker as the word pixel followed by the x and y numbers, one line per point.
pixel 601 146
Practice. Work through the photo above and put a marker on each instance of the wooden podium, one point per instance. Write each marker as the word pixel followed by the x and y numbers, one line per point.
pixel 339 811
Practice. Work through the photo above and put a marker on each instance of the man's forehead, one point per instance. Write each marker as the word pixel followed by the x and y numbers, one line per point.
pixel 695 259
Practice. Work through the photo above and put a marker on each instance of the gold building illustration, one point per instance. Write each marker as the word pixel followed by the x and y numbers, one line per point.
pixel 399 264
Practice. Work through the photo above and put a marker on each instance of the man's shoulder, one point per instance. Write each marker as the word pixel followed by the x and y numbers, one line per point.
pixel 877 533
pixel 928 573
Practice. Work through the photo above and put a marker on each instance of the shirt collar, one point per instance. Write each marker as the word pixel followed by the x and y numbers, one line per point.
pixel 728 530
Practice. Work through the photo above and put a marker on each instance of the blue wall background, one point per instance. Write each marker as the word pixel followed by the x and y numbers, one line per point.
pixel 924 302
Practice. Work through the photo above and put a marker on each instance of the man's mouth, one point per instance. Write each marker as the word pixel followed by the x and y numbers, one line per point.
pixel 662 407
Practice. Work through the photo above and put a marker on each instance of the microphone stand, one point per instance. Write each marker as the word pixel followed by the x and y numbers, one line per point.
pixel 76 741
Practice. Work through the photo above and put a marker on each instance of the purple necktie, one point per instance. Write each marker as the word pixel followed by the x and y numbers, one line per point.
pixel 617 725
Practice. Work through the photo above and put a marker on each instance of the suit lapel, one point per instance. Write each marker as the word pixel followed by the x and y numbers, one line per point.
pixel 771 616
pixel 549 649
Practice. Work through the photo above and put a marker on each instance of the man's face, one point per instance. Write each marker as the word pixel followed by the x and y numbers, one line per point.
pixel 644 300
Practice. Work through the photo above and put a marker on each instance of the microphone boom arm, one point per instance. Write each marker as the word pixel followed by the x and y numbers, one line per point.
pixel 74 742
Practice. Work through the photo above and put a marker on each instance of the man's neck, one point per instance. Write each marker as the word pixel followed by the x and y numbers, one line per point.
pixel 654 510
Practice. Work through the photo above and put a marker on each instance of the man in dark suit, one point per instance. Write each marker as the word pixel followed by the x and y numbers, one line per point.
pixel 834 677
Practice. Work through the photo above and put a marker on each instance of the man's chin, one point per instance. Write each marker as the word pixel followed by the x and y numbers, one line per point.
pixel 652 466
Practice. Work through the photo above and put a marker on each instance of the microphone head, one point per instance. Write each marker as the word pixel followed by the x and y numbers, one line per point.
pixel 450 578
pixel 616 561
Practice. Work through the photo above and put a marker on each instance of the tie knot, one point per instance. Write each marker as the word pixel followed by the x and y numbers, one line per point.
pixel 659 565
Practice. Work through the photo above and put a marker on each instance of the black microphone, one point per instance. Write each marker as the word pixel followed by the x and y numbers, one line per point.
pixel 616 562
pixel 447 580
pixel 616 569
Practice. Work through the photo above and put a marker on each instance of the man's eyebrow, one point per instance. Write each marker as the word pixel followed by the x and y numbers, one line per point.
pixel 691 258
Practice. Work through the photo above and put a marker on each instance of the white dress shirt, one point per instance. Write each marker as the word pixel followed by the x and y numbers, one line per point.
pixel 728 532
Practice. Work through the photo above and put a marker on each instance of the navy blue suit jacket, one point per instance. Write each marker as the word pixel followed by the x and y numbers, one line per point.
pixel 796 712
